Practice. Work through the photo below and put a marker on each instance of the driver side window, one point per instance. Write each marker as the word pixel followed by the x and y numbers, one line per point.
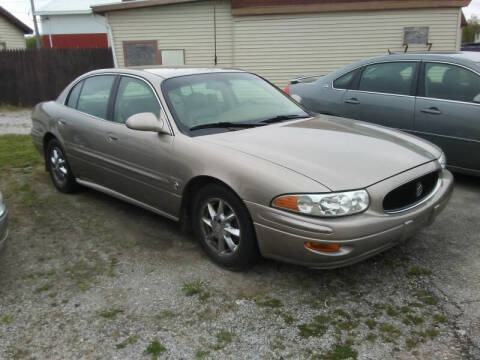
pixel 134 96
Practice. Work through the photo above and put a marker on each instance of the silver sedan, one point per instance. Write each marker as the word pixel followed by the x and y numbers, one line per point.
pixel 231 156
pixel 3 221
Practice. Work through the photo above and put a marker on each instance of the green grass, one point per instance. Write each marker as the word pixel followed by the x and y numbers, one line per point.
pixel 202 354
pixel 426 297
pixel 7 319
pixel 268 302
pixel 415 270
pixel 317 327
pixel 17 151
pixel 343 351
pixel 371 323
pixel 43 288
pixel 8 107
pixel 110 313
pixel 439 318
pixel 413 320
pixel 128 341
pixel 192 288
pixel 223 339
pixel 155 349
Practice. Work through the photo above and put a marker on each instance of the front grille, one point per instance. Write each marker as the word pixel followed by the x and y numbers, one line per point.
pixel 410 193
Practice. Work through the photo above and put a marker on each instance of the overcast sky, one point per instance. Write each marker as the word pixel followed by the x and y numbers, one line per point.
pixel 21 8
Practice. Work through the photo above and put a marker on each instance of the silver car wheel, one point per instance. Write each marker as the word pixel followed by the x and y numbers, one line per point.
pixel 220 227
pixel 58 165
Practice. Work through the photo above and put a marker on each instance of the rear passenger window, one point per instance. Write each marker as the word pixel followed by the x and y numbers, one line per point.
pixel 95 95
pixel 389 78
pixel 345 81
pixel 450 82
pixel 73 97
pixel 134 97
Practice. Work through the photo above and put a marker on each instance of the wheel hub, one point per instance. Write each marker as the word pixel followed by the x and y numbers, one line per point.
pixel 220 226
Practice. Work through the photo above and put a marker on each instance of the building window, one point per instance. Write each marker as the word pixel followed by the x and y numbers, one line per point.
pixel 140 53
pixel 173 57
pixel 3 45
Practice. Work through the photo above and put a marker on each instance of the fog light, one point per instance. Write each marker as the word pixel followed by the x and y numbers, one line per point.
pixel 328 248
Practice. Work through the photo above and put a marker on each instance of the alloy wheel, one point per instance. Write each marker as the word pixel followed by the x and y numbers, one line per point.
pixel 220 227
pixel 58 165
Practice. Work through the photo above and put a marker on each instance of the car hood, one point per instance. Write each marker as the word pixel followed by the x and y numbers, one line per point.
pixel 341 154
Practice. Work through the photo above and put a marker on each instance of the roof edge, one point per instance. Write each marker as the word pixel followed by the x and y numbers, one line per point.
pixel 274 7
pixel 15 21
pixel 365 5
pixel 66 12
pixel 101 9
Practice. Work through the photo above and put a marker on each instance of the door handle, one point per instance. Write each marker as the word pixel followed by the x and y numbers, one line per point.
pixel 353 101
pixel 111 138
pixel 61 123
pixel 432 111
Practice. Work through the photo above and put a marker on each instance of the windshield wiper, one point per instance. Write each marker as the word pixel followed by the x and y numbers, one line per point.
pixel 281 118
pixel 226 125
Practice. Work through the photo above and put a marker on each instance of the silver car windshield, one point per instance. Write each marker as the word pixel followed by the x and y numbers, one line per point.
pixel 226 98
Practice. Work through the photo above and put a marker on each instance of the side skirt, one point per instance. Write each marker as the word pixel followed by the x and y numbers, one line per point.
pixel 125 198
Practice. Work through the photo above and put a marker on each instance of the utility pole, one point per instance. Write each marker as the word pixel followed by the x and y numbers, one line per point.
pixel 37 35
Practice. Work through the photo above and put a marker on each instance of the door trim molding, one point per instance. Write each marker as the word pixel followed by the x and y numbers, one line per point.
pixel 125 198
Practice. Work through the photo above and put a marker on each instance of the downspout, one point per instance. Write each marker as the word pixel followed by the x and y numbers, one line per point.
pixel 49 31
pixel 110 38
pixel 215 31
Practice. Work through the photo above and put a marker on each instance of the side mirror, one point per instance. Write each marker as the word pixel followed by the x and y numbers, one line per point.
pixel 146 122
pixel 476 99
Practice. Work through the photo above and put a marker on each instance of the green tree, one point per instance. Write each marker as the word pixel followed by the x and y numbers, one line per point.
pixel 471 29
pixel 30 42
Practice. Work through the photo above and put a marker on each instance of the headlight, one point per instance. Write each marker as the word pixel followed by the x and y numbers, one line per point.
pixel 443 161
pixel 325 205
pixel 2 205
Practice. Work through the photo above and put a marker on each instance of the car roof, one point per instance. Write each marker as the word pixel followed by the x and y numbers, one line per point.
pixel 460 55
pixel 161 72
pixel 469 59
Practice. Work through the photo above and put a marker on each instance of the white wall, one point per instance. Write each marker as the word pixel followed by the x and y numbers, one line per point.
pixel 187 26
pixel 280 47
pixel 73 24
pixel 12 36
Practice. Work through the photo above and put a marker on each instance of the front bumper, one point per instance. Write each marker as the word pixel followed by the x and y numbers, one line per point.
pixel 3 229
pixel 282 235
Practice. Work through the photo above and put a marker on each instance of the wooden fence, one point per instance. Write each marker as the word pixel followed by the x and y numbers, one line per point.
pixel 28 77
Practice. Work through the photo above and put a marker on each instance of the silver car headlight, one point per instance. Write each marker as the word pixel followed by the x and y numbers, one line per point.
pixel 325 205
pixel 2 205
pixel 442 160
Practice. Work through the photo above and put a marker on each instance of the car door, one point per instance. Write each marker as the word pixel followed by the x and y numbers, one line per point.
pixel 139 162
pixel 81 126
pixel 446 112
pixel 384 94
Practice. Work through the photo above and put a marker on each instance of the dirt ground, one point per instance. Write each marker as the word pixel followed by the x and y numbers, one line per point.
pixel 86 276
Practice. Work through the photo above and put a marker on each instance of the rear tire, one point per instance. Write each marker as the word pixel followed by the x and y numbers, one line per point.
pixel 223 226
pixel 59 169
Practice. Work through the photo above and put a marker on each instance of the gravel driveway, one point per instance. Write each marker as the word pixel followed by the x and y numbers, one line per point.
pixel 15 122
pixel 86 276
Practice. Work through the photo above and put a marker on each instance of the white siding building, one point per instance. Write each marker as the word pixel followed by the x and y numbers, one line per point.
pixel 278 39
pixel 12 31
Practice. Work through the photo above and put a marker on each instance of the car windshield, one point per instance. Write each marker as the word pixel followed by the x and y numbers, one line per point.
pixel 226 100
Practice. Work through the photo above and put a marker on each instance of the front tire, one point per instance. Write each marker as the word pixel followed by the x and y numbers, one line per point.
pixel 59 169
pixel 224 228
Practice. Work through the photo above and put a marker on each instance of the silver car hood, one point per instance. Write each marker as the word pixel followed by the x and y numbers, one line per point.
pixel 341 154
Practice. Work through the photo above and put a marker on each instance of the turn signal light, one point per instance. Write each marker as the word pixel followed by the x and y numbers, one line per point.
pixel 287 202
pixel 328 248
